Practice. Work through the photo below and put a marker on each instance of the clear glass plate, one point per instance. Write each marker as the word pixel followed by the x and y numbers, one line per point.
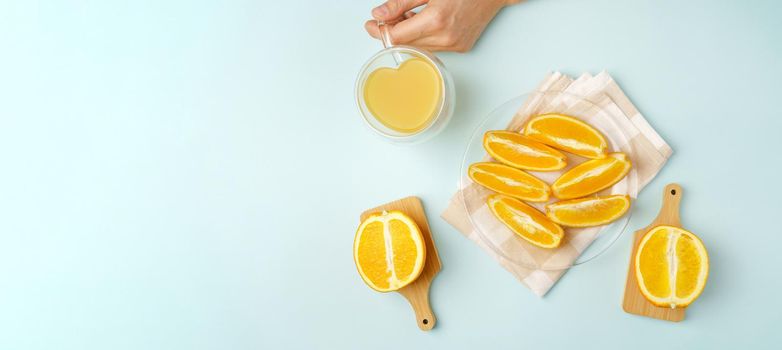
pixel 590 242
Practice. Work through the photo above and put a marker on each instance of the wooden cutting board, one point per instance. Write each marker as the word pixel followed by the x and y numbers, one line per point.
pixel 634 301
pixel 417 293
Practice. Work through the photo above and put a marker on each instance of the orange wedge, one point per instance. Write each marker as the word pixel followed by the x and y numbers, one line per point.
pixel 590 211
pixel 591 176
pixel 510 181
pixel 518 151
pixel 525 221
pixel 568 134
pixel 389 251
pixel 671 266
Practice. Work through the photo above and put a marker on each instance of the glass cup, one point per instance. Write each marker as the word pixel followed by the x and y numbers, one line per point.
pixel 392 56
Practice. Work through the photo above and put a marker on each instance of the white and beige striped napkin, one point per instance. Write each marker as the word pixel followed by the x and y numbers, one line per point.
pixel 648 152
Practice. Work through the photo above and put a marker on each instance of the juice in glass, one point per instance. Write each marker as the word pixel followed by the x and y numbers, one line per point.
pixel 404 99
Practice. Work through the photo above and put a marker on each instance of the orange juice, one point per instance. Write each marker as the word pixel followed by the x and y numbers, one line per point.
pixel 405 99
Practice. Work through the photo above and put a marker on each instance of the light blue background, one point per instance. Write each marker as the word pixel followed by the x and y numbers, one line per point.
pixel 189 174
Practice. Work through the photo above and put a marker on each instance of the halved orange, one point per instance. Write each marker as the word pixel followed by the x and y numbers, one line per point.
pixel 510 181
pixel 590 211
pixel 389 251
pixel 526 221
pixel 518 151
pixel 591 176
pixel 671 266
pixel 568 134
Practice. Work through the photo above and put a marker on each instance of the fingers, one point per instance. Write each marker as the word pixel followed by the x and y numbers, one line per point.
pixel 417 29
pixel 372 29
pixel 425 42
pixel 412 28
pixel 394 9
pixel 402 32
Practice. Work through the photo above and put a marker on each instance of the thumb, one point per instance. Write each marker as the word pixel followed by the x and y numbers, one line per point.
pixel 394 9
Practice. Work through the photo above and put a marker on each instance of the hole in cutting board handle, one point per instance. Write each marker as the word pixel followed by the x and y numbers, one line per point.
pixel 425 321
pixel 673 192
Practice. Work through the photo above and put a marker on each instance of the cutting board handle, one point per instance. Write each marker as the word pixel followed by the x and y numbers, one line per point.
pixel 419 300
pixel 669 212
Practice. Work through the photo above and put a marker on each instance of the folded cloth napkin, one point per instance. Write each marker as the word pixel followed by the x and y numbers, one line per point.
pixel 649 154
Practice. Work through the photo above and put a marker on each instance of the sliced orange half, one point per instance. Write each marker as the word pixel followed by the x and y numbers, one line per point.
pixel 590 211
pixel 525 221
pixel 389 251
pixel 568 134
pixel 671 266
pixel 591 176
pixel 518 151
pixel 510 181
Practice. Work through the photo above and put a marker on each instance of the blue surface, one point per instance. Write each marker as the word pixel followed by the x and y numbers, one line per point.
pixel 188 175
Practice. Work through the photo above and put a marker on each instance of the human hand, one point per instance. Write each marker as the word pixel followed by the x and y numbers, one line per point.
pixel 443 25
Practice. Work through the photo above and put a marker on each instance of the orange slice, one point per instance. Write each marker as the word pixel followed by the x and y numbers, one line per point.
pixel 591 176
pixel 510 181
pixel 568 134
pixel 671 266
pixel 525 221
pixel 518 151
pixel 590 211
pixel 389 251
